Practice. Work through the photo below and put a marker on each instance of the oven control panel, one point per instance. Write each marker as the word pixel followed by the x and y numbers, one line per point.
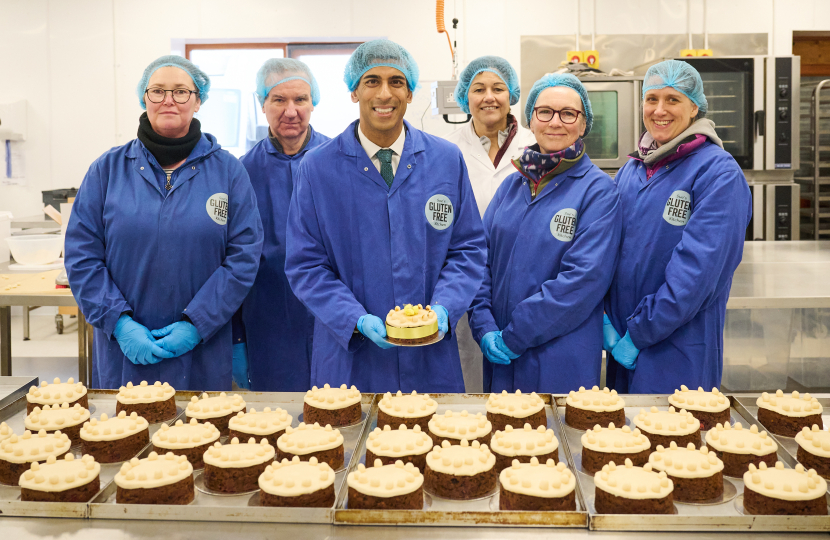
pixel 784 111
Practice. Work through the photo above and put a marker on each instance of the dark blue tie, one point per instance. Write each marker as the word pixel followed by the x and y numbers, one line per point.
pixel 385 157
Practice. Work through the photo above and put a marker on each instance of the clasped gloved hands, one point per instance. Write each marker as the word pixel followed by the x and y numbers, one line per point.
pixel 494 349
pixel 610 336
pixel 375 329
pixel 239 371
pixel 443 318
pixel 178 338
pixel 625 353
pixel 137 342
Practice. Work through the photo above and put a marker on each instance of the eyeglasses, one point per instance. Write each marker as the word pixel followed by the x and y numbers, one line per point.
pixel 546 114
pixel 180 95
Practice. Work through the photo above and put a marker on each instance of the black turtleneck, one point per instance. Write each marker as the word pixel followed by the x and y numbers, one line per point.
pixel 168 151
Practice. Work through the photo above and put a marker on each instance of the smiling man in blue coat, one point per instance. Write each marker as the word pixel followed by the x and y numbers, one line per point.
pixel 381 216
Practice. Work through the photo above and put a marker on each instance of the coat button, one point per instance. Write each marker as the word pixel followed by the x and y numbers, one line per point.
pixel 193 167
pixel 365 169
pixel 142 168
pixel 409 166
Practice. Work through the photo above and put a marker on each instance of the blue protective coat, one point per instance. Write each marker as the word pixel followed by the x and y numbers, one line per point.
pixel 546 279
pixel 357 246
pixel 278 327
pixel 132 246
pixel 683 237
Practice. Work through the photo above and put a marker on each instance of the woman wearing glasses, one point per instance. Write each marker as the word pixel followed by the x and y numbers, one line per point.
pixel 553 231
pixel 164 243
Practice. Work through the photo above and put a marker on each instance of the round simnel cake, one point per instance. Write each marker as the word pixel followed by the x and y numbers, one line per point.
pixel 460 471
pixel 411 325
pixel 156 479
pixel 408 409
pixel 697 474
pixel 386 487
pixel 455 426
pixel 602 445
pixel 402 444
pixel 738 447
pixel 523 445
pixel 19 451
pixel 58 417
pixel 110 440
pixel 710 408
pixel 266 423
pixel 587 408
pixel 57 393
pixel 297 483
pixel 155 403
pixel 788 414
pixel 814 450
pixel 235 467
pixel 663 427
pixel 516 410
pixel 218 410
pixel 787 492
pixel 61 480
pixel 632 490
pixel 312 440
pixel 333 406
pixel 190 440
pixel 538 487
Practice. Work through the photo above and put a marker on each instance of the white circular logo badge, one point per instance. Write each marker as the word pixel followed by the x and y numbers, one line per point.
pixel 439 212
pixel 678 208
pixel 563 225
pixel 217 208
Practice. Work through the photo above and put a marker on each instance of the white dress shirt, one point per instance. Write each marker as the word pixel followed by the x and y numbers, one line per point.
pixel 372 149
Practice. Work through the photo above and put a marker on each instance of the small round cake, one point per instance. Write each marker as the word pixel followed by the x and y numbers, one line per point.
pixel 455 426
pixel 155 403
pixel 536 487
pixel 632 490
pixel 814 450
pixel 663 427
pixel 266 424
pixel 697 474
pixel 332 406
pixel 784 492
pixel 234 467
pixel 787 415
pixel 312 440
pixel 461 471
pixel 110 440
pixel 523 445
pixel 411 325
pixel 218 410
pixel 516 410
pixel 738 447
pixel 56 393
pixel 602 445
pixel 402 444
pixel 386 487
pixel 295 483
pixel 61 480
pixel 408 409
pixel 156 479
pixel 587 408
pixel 19 451
pixel 190 440
pixel 710 408
pixel 5 431
pixel 58 417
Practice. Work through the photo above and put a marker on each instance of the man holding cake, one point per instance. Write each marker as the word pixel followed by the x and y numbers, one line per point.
pixel 383 216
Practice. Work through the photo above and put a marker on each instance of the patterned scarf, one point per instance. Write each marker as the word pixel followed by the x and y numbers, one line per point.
pixel 537 165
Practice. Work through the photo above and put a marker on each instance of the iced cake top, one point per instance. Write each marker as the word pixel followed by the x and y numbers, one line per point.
pixel 153 471
pixel 308 438
pixel 461 459
pixel 332 398
pixel 699 400
pixel 615 440
pixel 386 480
pixel 399 442
pixel 737 440
pixel 517 405
pixel 548 480
pixel 214 407
pixel 794 404
pixel 460 425
pixel 595 400
pixel 686 462
pixel 183 435
pixel 412 405
pixel 632 482
pixel 263 422
pixel 144 393
pixel 58 475
pixel 294 478
pixel 56 392
pixel 55 417
pixel 788 484
pixel 670 422
pixel 117 427
pixel 524 442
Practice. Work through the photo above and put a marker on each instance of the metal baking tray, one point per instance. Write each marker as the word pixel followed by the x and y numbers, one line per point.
pixel 100 401
pixel 237 507
pixel 689 517
pixel 11 388
pixel 441 512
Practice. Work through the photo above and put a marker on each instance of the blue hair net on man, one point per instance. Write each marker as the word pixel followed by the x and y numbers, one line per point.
pixel 276 71
pixel 493 64
pixel 560 79
pixel 380 52
pixel 200 78
pixel 682 77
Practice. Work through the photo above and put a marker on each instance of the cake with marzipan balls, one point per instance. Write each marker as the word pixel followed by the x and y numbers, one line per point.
pixel 602 445
pixel 155 403
pixel 784 492
pixel 5 431
pixel 18 452
pixel 710 408
pixel 663 427
pixel 738 447
pixel 110 440
pixel 411 325
pixel 312 440
pixel 386 487
pixel 58 417
pixel 266 424
pixel 697 474
pixel 61 480
pixel 402 444
pixel 587 408
pixel 627 489
pixel 156 479
pixel 461 471
pixel 788 414
pixel 296 483
pixel 455 426
pixel 814 450
pixel 235 467
pixel 523 445
pixel 57 393
pixel 408 409
pixel 218 410
pixel 538 487
pixel 190 440
pixel 332 406
pixel 516 410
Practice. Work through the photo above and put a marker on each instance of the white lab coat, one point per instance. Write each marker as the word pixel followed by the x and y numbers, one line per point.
pixel 485 179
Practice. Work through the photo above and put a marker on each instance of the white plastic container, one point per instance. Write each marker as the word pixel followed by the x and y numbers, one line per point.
pixel 35 248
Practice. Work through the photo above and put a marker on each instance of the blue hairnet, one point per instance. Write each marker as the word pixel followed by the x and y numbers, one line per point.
pixel 680 76
pixel 200 78
pixel 493 64
pixel 380 52
pixel 560 79
pixel 279 70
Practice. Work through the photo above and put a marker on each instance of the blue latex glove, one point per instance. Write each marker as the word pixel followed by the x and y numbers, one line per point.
pixel 625 353
pixel 443 318
pixel 491 352
pixel 503 348
pixel 137 342
pixel 178 338
pixel 240 366
pixel 374 328
pixel 610 336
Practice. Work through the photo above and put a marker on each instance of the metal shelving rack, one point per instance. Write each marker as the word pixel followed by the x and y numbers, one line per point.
pixel 814 174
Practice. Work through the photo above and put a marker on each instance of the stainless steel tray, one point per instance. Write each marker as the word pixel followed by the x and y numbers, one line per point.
pixel 720 517
pixel 11 388
pixel 207 507
pixel 441 512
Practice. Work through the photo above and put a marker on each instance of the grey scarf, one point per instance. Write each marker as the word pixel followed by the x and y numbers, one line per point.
pixel 650 153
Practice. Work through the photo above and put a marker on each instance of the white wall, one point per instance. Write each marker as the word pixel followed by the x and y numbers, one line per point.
pixel 51 49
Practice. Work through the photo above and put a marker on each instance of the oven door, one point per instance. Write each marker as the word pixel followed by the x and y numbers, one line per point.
pixel 616 129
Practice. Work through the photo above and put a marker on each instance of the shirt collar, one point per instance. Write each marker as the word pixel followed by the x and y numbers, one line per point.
pixel 372 149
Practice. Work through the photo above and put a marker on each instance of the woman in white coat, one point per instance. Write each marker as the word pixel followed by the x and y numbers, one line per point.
pixel 486 89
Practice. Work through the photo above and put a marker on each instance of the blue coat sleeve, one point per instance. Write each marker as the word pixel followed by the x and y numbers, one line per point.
pixel 221 295
pixel 99 298
pixel 463 270
pixel 701 264
pixel 311 273
pixel 585 274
